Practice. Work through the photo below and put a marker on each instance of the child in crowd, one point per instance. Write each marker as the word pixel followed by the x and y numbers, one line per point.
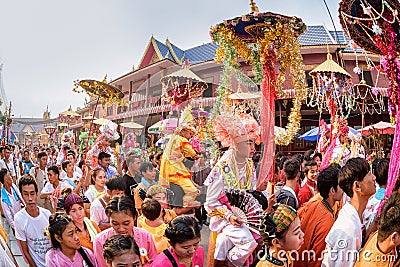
pixel 66 249
pixel 183 234
pixel 159 193
pixel 287 194
pixel 97 187
pixel 309 185
pixel 281 233
pixel 152 221
pixel 121 250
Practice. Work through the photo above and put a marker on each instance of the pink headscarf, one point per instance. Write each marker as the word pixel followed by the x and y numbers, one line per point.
pixel 233 129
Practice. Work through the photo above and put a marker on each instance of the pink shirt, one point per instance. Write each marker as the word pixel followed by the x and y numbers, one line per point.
pixel 162 260
pixel 143 239
pixel 55 257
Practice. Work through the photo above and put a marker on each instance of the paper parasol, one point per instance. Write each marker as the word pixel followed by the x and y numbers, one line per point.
pixel 255 25
pixel 102 121
pixel 329 66
pixel 89 118
pixel 69 112
pixel 132 125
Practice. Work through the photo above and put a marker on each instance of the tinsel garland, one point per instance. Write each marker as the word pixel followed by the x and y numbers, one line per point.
pixel 391 66
pixel 283 37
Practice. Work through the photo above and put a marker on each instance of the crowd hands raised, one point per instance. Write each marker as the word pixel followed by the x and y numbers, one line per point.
pixel 71 209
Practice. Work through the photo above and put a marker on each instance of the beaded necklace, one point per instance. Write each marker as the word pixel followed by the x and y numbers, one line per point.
pixel 326 204
pixel 274 261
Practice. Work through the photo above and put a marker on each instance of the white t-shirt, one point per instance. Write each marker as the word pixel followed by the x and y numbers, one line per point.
pixel 75 177
pixel 98 213
pixel 92 193
pixel 76 169
pixel 344 240
pixel 48 187
pixel 9 166
pixel 33 231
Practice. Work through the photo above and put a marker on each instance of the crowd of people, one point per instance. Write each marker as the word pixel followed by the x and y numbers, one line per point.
pixel 102 208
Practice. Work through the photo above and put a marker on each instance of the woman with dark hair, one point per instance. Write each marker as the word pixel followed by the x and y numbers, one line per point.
pixel 183 235
pixel 87 229
pixel 98 182
pixel 66 248
pixel 121 250
pixel 122 213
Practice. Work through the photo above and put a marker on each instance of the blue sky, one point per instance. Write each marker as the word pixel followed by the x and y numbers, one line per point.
pixel 45 45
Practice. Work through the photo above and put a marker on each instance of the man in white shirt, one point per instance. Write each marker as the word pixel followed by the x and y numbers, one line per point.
pixel 115 187
pixel 40 174
pixel 344 240
pixel 7 163
pixel 31 224
pixel 62 154
pixel 72 157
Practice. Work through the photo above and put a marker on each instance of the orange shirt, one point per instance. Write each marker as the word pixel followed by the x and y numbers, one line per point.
pixel 85 241
pixel 371 256
pixel 316 222
pixel 336 208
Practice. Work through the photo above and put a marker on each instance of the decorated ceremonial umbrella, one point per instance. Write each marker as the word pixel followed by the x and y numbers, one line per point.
pixel 181 86
pixel 374 26
pixel 381 127
pixel 102 91
pixel 332 89
pixel 131 125
pixel 261 40
pixel 101 121
pixel 68 115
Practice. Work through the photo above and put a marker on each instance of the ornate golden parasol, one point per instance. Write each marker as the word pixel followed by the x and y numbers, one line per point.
pixel 69 112
pixel 102 91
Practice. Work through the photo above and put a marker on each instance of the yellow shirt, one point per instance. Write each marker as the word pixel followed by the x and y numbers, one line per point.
pixel 160 240
pixel 371 256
